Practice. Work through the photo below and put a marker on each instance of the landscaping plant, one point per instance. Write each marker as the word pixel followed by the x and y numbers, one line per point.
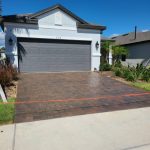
pixel 118 72
pixel 117 51
pixel 105 67
pixel 146 75
pixel 131 77
pixel 118 64
pixel 132 73
pixel 8 74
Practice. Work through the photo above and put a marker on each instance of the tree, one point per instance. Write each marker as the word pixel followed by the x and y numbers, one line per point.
pixel 117 51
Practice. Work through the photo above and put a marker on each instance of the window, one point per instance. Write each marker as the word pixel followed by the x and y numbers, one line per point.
pixel 123 57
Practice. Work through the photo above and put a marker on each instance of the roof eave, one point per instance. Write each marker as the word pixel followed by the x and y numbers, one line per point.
pixel 17 19
pixel 122 44
pixel 107 39
pixel 89 26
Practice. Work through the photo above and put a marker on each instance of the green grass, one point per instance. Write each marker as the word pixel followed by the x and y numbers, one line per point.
pixel 142 85
pixel 7 112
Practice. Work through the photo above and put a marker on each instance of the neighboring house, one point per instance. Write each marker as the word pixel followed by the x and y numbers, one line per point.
pixel 138 45
pixel 52 40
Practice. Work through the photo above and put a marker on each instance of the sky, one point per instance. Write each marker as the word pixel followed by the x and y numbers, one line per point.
pixel 119 16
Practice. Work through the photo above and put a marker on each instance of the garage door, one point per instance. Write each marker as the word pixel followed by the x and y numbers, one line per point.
pixel 42 55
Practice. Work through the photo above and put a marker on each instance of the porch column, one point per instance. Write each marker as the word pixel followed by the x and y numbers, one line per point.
pixel 110 55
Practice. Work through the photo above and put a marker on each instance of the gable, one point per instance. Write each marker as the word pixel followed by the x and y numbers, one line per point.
pixel 56 18
pixel 58 6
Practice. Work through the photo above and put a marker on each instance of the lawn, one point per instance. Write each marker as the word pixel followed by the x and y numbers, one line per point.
pixel 7 112
pixel 142 85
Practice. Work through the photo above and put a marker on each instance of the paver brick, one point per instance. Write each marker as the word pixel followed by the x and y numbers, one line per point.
pixel 100 94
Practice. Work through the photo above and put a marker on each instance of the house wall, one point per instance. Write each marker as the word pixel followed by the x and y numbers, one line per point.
pixel 56 18
pixel 138 53
pixel 46 28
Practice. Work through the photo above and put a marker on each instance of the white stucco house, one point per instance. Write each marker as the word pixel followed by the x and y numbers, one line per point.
pixel 52 40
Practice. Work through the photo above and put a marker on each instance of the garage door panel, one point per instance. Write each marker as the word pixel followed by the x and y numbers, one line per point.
pixel 54 53
pixel 54 61
pixel 52 45
pixel 53 57
pixel 77 51
pixel 54 68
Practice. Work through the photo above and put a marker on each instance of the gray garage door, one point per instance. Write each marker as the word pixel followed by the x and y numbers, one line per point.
pixel 41 55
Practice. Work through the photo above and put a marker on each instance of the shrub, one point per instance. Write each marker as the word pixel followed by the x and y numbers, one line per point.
pixel 7 74
pixel 125 73
pixel 118 72
pixel 139 70
pixel 140 67
pixel 131 77
pixel 133 73
pixel 146 75
pixel 13 72
pixel 118 64
pixel 105 67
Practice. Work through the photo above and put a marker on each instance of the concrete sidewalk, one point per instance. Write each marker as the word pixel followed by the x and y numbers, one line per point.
pixel 119 130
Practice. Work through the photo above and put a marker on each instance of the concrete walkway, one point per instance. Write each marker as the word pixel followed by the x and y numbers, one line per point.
pixel 119 130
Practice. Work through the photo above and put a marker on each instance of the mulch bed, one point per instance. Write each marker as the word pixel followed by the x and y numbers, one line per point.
pixel 11 90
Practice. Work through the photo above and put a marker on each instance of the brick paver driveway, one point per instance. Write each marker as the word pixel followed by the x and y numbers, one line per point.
pixel 50 95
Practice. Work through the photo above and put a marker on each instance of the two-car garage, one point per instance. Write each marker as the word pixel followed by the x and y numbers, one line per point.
pixel 47 55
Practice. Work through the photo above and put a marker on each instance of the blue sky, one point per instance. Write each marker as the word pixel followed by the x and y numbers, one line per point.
pixel 120 16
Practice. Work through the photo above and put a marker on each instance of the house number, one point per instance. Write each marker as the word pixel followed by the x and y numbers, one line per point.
pixel 58 37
